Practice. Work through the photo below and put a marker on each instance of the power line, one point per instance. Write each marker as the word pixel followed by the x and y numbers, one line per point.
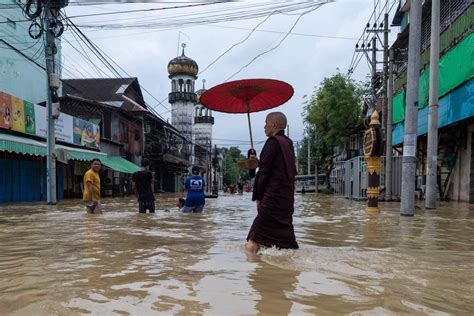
pixel 278 45
pixel 236 44
pixel 143 10
pixel 292 33
pixel 99 53
pixel 242 13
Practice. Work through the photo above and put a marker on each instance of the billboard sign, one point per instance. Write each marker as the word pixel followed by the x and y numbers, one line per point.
pixel 25 117
pixel 5 111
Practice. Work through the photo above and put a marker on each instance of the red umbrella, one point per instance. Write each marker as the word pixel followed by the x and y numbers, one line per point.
pixel 247 96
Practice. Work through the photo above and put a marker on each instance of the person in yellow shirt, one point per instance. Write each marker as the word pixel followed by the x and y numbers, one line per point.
pixel 91 194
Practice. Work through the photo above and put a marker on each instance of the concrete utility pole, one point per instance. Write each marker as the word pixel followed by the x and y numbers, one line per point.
pixel 374 71
pixel 385 72
pixel 385 116
pixel 432 151
pixel 388 139
pixel 407 205
pixel 51 197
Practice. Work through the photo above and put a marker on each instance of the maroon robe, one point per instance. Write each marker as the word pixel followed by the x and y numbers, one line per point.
pixel 274 188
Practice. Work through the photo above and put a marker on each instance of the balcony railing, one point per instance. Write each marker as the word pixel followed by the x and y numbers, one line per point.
pixel 204 119
pixel 181 96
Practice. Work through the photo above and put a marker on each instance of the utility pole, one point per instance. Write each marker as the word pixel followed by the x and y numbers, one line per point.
pixel 407 204
pixel 51 27
pixel 374 71
pixel 432 151
pixel 385 116
pixel 388 139
pixel 51 197
pixel 385 72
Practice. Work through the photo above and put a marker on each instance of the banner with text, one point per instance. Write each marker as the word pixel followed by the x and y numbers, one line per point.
pixel 25 117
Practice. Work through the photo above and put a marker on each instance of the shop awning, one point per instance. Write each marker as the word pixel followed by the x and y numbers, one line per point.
pixel 119 164
pixel 22 145
pixel 73 153
pixel 27 146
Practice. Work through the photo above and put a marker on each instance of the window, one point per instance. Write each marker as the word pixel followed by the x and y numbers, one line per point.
pixel 189 86
pixel 173 86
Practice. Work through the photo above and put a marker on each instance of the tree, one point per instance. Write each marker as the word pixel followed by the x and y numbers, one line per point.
pixel 331 116
pixel 231 171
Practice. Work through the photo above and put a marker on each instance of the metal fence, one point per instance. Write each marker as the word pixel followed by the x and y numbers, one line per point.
pixel 349 178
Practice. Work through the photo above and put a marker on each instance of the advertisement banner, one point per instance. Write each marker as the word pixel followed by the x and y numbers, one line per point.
pixel 40 121
pixel 5 110
pixel 30 126
pixel 25 117
pixel 86 134
pixel 65 128
pixel 18 115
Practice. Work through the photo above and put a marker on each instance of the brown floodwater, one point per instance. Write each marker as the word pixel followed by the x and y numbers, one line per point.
pixel 57 260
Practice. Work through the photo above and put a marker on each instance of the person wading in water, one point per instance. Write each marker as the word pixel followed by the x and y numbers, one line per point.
pixel 274 190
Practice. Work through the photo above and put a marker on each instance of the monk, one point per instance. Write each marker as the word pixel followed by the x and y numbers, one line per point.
pixel 274 190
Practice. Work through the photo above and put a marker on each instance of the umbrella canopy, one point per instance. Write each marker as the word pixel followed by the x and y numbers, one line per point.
pixel 247 96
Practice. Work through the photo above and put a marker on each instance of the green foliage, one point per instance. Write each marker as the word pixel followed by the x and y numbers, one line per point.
pixel 332 115
pixel 231 171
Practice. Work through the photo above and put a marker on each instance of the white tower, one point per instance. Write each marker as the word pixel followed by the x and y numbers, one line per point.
pixel 203 121
pixel 182 72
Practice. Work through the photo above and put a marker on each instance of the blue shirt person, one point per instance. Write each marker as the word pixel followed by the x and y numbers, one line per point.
pixel 195 198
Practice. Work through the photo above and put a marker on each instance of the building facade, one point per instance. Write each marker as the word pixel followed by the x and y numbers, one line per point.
pixel 456 96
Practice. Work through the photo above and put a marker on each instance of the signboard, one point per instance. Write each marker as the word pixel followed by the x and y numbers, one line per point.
pixel 25 117
pixel 5 110
pixel 18 115
pixel 86 133
pixel 30 126
pixel 40 121
pixel 64 128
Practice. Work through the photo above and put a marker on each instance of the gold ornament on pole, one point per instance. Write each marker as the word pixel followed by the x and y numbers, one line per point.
pixel 372 152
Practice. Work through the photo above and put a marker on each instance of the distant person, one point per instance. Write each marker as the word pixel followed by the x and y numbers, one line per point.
pixel 195 198
pixel 91 195
pixel 143 187
pixel 303 190
pixel 252 154
pixel 274 190
pixel 240 187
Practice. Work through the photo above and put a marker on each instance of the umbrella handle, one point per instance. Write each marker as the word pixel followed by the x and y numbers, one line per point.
pixel 250 129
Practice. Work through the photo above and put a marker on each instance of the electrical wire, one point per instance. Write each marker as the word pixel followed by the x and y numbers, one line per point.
pixel 236 44
pixel 278 45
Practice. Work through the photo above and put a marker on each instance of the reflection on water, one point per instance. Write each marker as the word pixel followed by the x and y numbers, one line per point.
pixel 59 260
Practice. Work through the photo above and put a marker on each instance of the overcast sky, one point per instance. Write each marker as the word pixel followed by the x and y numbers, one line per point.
pixel 301 60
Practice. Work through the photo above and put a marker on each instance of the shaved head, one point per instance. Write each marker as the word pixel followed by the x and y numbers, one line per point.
pixel 279 119
pixel 274 123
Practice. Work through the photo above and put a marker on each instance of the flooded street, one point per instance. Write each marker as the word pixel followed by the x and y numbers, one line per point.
pixel 59 260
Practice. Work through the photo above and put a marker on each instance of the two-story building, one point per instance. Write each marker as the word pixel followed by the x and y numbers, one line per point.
pixel 117 107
